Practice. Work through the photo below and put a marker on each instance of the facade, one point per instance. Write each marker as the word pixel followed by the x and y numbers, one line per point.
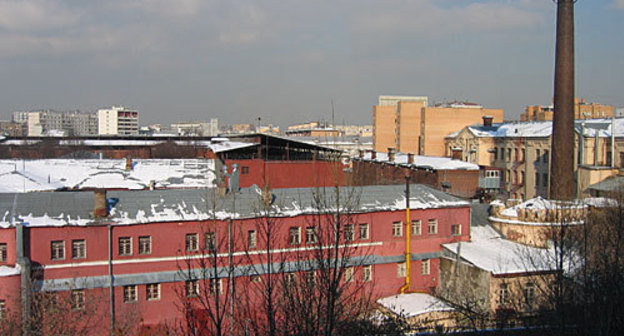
pixel 452 176
pixel 582 110
pixel 49 122
pixel 118 120
pixel 13 129
pixel 199 128
pixel 156 236
pixel 410 126
pixel 521 151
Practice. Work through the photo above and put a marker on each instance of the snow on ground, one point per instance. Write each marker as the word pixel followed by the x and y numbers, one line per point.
pixel 413 304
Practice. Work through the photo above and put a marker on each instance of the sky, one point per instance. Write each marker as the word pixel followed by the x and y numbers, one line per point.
pixel 286 61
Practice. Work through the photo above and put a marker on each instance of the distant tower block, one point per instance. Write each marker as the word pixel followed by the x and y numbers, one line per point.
pixel 562 185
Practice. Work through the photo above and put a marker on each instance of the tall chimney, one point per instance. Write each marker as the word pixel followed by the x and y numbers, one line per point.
pixel 101 208
pixel 562 185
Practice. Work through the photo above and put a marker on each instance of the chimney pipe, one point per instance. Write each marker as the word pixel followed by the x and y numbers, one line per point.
pixel 128 163
pixel 487 121
pixel 101 208
pixel 410 158
pixel 390 154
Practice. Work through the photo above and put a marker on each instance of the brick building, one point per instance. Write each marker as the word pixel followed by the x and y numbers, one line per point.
pixel 151 234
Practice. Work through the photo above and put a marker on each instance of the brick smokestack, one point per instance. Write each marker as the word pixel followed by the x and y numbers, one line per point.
pixel 101 208
pixel 562 185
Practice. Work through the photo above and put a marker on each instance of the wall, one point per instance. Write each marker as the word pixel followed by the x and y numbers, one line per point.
pixel 408 124
pixel 384 127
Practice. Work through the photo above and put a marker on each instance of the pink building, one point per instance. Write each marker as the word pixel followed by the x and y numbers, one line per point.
pixel 153 237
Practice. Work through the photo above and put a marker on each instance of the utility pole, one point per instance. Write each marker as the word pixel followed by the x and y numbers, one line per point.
pixel 562 186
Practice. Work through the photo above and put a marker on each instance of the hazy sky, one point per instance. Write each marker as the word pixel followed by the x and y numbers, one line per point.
pixel 285 60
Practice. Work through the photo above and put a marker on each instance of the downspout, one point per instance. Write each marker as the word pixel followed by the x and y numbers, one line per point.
pixel 111 288
pixel 24 262
pixel 613 142
pixel 408 233
pixel 596 147
pixel 581 159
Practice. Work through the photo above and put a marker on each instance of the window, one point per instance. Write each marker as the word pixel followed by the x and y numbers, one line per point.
pixel 191 242
pixel 456 229
pixel 401 269
pixel 363 229
pixel 529 294
pixel 348 274
pixel 522 157
pixel 2 310
pixel 503 294
pixel 3 252
pixel 152 292
pixel 57 250
pixel 216 287
pixel 289 279
pixel 145 245
pixel 537 179
pixel 509 154
pixel 502 154
pixel 416 227
pixel 192 288
pixel 425 267
pixel 397 229
pixel 495 153
pixel 508 176
pixel 311 235
pixel 537 155
pixel 77 299
pixel 433 226
pixel 546 156
pixel 545 179
pixel 310 278
pixel 244 170
pixel 367 273
pixel 79 249
pixel 349 233
pixel 294 236
pixel 210 241
pixel 130 293
pixel 522 178
pixel 125 246
pixel 251 239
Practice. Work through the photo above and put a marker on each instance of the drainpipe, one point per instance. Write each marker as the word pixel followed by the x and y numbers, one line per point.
pixel 111 288
pixel 581 159
pixel 613 142
pixel 596 149
pixel 408 233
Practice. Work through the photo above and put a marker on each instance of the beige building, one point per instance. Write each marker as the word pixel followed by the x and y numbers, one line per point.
pixel 409 125
pixel 521 151
pixel 582 110
pixel 118 120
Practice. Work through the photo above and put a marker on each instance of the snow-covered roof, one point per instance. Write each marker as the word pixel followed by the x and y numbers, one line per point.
pixel 542 129
pixel 420 161
pixel 489 251
pixel 163 205
pixel 54 174
pixel 413 304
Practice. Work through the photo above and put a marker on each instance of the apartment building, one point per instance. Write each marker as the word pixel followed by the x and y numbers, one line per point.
pixel 582 110
pixel 409 125
pixel 521 151
pixel 118 120
pixel 48 122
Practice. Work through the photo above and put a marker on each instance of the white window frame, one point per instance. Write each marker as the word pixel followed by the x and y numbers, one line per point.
pixel 252 239
pixel 152 292
pixel 367 273
pixel 145 245
pixel 311 237
pixel 57 250
pixel 364 231
pixel 349 232
pixel 130 294
pixel 191 242
pixel 192 288
pixel 210 241
pixel 397 229
pixel 79 249
pixel 458 231
pixel 425 267
pixel 432 226
pixel 348 274
pixel 294 235
pixel 416 228
pixel 125 246
pixel 3 253
pixel 402 269
pixel 78 299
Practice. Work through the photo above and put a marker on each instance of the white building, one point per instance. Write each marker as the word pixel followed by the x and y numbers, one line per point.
pixel 50 122
pixel 118 120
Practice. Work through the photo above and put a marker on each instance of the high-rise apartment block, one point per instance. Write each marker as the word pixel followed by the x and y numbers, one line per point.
pixel 197 128
pixel 47 122
pixel 118 120
pixel 411 126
